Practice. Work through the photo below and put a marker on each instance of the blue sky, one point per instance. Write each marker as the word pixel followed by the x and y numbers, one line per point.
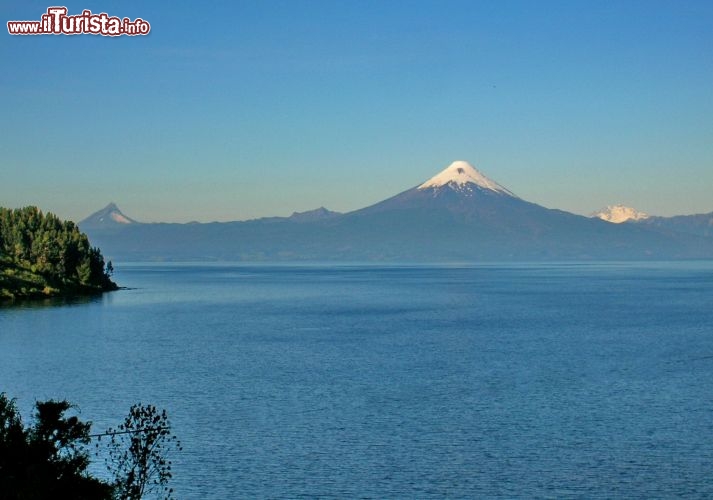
pixel 234 110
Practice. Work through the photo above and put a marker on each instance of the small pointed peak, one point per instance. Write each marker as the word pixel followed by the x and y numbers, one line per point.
pixel 110 214
pixel 459 175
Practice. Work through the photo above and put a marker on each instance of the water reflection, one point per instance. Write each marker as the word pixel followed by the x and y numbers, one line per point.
pixel 77 300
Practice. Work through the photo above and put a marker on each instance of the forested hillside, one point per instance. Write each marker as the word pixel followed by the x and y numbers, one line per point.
pixel 41 255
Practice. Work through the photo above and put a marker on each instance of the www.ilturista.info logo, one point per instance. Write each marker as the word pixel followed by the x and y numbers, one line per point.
pixel 57 22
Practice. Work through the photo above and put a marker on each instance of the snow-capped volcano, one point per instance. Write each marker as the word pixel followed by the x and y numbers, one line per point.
pixel 108 216
pixel 619 213
pixel 460 190
pixel 462 176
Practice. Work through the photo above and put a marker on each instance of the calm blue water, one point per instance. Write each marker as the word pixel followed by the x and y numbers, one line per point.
pixel 415 382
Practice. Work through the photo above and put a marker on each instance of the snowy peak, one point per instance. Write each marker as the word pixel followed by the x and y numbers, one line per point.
pixel 110 215
pixel 462 176
pixel 619 213
pixel 115 214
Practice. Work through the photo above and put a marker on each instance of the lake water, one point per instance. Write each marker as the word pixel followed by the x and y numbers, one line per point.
pixel 561 380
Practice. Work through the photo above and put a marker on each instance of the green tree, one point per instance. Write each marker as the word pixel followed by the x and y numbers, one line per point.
pixel 54 251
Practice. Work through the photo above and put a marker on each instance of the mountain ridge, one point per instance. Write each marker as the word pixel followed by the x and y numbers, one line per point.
pixel 457 215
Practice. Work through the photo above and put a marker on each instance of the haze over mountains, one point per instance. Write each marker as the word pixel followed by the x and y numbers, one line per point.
pixel 459 215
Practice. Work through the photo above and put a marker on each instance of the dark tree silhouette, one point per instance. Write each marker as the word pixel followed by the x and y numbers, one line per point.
pixel 48 459
pixel 138 451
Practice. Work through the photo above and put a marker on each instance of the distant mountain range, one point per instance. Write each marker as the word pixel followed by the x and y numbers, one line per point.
pixel 459 215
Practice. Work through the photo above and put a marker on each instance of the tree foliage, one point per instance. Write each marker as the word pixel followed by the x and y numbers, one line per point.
pixel 50 458
pixel 47 459
pixel 55 249
pixel 138 452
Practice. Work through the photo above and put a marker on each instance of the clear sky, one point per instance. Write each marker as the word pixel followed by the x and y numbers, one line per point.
pixel 240 109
